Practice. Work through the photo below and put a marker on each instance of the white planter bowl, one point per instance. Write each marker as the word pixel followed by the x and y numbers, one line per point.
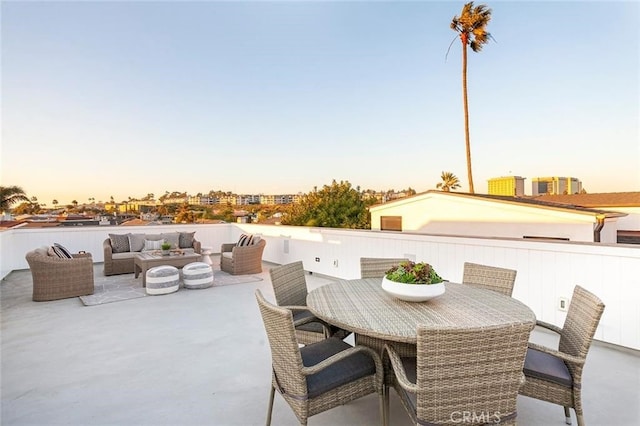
pixel 412 292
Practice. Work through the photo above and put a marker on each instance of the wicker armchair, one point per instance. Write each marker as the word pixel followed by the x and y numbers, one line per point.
pixel 457 371
pixel 290 289
pixel 374 267
pixel 242 260
pixel 56 278
pixel 317 377
pixel 489 277
pixel 556 375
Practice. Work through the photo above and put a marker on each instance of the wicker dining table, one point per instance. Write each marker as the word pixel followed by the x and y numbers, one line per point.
pixel 363 307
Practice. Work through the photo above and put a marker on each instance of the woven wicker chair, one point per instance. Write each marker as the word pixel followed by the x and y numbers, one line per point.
pixel 556 375
pixel 457 371
pixel 374 267
pixel 290 288
pixel 55 278
pixel 242 260
pixel 320 376
pixel 489 277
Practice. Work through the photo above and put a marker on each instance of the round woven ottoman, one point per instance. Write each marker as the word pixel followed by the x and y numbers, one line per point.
pixel 197 275
pixel 163 279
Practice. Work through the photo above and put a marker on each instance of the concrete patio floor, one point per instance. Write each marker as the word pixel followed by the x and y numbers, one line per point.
pixel 200 357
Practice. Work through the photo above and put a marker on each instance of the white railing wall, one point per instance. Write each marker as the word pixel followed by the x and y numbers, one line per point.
pixel 547 271
pixel 15 243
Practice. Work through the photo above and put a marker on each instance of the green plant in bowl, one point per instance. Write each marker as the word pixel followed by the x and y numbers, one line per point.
pixel 409 272
pixel 166 246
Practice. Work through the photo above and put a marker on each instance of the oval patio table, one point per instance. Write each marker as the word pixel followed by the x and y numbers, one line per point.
pixel 363 307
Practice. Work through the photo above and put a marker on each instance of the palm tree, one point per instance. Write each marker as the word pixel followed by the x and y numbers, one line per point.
pixel 449 182
pixel 10 195
pixel 471 27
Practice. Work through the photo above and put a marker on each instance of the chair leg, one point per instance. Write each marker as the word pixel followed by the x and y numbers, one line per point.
pixel 270 410
pixel 567 415
pixel 385 405
pixel 580 419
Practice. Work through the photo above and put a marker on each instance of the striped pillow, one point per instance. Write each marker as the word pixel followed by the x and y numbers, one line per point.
pixel 60 251
pixel 245 240
pixel 152 245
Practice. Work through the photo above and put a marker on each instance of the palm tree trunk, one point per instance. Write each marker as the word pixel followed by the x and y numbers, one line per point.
pixel 465 102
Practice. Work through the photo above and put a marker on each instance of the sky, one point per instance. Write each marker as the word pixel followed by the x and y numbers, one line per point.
pixel 126 98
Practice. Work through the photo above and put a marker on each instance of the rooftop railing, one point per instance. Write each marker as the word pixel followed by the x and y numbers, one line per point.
pixel 547 270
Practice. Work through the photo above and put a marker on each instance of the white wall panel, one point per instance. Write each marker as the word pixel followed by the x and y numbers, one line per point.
pixel 546 270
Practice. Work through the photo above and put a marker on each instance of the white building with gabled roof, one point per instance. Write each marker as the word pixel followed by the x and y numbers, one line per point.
pixel 481 215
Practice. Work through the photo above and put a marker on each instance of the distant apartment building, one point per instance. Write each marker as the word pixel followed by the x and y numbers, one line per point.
pixel 131 206
pixel 249 199
pixel 239 200
pixel 279 199
pixel 176 200
pixel 555 185
pixel 507 185
pixel 203 201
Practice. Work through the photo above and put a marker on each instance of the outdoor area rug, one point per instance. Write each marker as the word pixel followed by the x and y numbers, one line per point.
pixel 125 287
pixel 221 278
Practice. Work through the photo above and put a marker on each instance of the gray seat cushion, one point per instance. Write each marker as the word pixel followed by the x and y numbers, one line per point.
pixel 342 372
pixel 542 365
pixel 311 326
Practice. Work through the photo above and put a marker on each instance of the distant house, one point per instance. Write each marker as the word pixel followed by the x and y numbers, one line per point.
pixel 481 215
pixel 623 202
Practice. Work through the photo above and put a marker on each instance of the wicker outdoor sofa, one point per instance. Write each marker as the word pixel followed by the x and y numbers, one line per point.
pixel 120 249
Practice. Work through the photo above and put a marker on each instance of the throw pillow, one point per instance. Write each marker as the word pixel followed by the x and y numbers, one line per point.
pixel 186 239
pixel 244 240
pixel 119 243
pixel 60 251
pixel 136 242
pixel 152 245
pixel 172 238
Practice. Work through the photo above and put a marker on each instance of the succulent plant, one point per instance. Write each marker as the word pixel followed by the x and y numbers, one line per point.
pixel 409 272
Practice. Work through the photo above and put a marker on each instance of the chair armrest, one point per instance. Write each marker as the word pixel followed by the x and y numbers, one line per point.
pixel 398 369
pixel 106 246
pixel 307 320
pixel 77 259
pixel 227 247
pixel 82 256
pixel 565 357
pixel 295 307
pixel 197 246
pixel 549 326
